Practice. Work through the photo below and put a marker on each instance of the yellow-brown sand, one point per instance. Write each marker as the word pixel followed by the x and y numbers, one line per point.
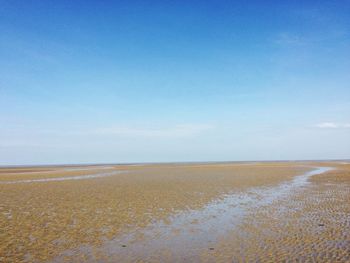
pixel 40 220
pixel 313 225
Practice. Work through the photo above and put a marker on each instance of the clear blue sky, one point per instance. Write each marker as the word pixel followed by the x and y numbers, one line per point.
pixel 149 81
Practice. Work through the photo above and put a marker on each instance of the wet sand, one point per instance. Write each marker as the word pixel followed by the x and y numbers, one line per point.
pixel 312 224
pixel 175 212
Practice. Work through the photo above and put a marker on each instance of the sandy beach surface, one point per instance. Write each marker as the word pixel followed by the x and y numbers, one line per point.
pixel 194 212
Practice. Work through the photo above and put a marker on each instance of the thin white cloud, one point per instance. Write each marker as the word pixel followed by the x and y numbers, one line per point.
pixel 18 143
pixel 43 138
pixel 180 130
pixel 175 131
pixel 332 125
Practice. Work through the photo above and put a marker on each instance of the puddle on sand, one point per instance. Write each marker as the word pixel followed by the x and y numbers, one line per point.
pixel 63 178
pixel 182 236
pixel 88 168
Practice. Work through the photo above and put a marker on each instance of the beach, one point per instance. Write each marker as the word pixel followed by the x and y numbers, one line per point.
pixel 198 212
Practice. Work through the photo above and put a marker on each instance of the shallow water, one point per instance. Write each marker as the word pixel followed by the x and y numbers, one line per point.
pixel 88 168
pixel 182 236
pixel 63 178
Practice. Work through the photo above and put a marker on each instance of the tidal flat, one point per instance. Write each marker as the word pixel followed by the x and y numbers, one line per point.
pixel 198 212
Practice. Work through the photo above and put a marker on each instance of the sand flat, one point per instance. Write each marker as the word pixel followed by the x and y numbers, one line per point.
pixel 94 219
pixel 311 225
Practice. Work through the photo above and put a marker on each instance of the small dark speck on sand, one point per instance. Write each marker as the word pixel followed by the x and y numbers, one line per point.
pixel 320 224
pixel 123 245
pixel 211 248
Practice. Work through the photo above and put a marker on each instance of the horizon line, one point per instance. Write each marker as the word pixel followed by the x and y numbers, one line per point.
pixel 175 162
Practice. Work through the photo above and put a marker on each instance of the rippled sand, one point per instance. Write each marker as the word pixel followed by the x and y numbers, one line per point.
pixel 168 212
pixel 310 225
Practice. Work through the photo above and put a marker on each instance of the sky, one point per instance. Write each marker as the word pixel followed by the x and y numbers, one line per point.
pixel 173 81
